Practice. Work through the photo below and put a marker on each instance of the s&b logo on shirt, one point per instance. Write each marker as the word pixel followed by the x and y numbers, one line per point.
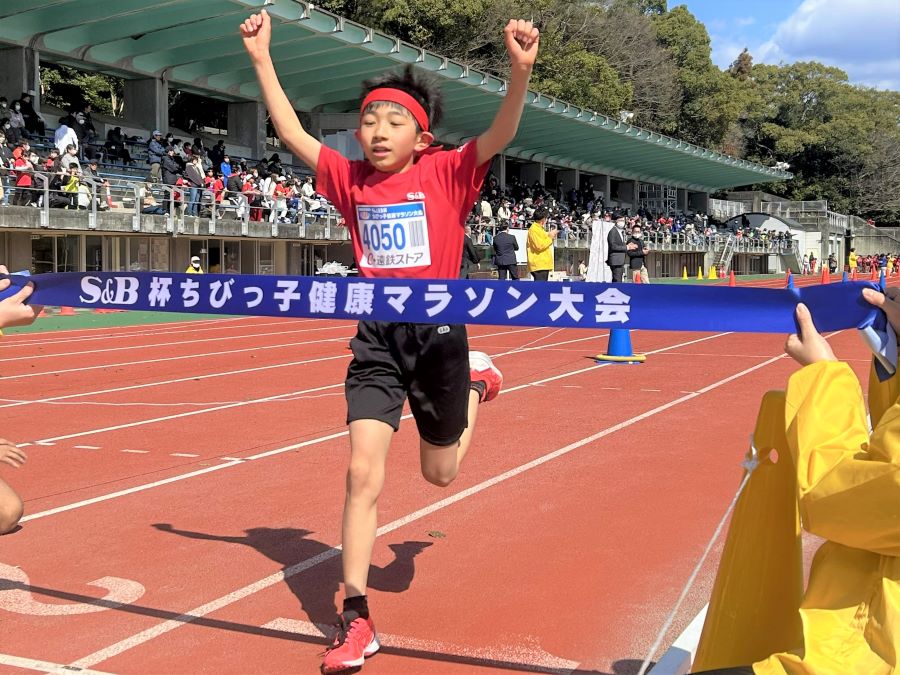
pixel 415 196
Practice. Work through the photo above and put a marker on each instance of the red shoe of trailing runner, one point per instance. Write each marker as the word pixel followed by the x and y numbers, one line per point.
pixel 356 639
pixel 484 370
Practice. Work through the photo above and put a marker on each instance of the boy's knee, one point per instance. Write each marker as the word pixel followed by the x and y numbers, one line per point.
pixel 439 476
pixel 363 478
pixel 10 514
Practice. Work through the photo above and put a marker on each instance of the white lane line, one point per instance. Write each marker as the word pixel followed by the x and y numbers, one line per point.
pixel 166 626
pixel 183 454
pixel 138 452
pixel 105 366
pixel 87 447
pixel 288 448
pixel 148 331
pixel 168 345
pixel 192 378
pixel 23 445
pixel 233 459
pixel 45 666
pixel 199 377
pixel 529 656
pixel 47 442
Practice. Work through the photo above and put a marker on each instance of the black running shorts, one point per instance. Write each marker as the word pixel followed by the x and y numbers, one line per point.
pixel 427 364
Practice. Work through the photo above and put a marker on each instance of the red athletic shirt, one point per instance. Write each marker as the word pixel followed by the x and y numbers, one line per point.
pixel 405 224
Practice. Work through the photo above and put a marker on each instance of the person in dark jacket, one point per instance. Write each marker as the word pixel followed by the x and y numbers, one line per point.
pixel 34 123
pixel 171 170
pixel 637 254
pixel 505 247
pixel 469 255
pixel 156 150
pixel 618 250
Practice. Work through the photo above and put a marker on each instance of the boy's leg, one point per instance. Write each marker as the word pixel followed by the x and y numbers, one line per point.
pixel 447 385
pixel 369 443
pixel 11 508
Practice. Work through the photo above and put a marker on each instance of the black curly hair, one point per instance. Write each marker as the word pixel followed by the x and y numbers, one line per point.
pixel 421 86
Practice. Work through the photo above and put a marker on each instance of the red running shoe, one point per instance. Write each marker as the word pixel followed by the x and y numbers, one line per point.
pixel 356 639
pixel 484 370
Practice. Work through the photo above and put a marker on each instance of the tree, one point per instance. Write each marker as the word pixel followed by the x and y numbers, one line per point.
pixel 68 88
pixel 742 66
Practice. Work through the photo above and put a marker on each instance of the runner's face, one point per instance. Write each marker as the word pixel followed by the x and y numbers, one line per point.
pixel 389 138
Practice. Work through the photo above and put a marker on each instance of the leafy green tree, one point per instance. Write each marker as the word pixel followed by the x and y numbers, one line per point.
pixel 67 88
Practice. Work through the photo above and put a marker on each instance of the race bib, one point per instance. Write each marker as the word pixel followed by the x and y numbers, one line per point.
pixel 393 236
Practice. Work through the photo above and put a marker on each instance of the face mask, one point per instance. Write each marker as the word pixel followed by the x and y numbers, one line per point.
pixel 621 226
pixel 637 235
pixel 4 104
pixel 17 108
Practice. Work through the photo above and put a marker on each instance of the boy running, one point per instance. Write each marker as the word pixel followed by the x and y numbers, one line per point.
pixel 411 199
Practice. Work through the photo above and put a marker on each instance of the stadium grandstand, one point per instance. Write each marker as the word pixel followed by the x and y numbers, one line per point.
pixel 126 199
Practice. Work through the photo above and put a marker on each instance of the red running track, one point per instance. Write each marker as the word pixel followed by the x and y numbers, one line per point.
pixel 202 493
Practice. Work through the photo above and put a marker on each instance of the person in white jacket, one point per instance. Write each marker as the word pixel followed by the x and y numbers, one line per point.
pixel 64 137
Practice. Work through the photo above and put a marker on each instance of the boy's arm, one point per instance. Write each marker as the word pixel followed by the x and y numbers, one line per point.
pixel 522 40
pixel 256 32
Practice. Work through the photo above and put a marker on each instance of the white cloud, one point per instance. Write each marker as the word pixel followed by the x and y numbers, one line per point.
pixel 745 21
pixel 861 37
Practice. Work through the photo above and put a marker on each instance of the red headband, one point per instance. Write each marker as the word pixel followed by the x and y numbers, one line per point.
pixel 401 98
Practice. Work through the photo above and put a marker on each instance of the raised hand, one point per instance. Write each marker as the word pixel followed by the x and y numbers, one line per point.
pixel 256 32
pixel 522 40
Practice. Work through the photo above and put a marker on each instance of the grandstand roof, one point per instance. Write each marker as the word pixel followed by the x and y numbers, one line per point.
pixel 322 58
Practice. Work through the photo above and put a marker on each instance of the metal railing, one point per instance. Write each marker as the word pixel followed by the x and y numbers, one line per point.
pixel 722 209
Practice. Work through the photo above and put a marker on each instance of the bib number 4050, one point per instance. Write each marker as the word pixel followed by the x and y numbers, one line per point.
pixel 384 237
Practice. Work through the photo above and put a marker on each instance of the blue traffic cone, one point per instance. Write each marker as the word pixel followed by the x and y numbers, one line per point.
pixel 790 283
pixel 619 348
pixel 883 281
pixel 845 277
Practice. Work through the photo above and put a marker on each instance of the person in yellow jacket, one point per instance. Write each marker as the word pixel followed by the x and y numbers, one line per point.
pixel 540 246
pixel 194 267
pixel 848 489
pixel 853 260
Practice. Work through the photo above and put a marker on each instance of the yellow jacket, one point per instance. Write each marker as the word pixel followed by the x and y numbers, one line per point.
pixel 540 248
pixel 191 270
pixel 849 494
pixel 852 260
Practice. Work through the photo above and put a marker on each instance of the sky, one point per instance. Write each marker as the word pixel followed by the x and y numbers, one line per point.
pixel 861 37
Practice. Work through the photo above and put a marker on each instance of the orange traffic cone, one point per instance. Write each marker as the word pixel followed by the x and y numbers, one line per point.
pixel 826 277
pixel 874 273
pixel 66 311
pixel 722 272
pixel 731 280
pixel 43 314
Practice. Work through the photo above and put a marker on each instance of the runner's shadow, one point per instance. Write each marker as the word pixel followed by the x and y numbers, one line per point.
pixel 317 587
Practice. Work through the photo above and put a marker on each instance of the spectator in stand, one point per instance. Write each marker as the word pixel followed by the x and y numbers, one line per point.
pixel 115 147
pixel 6 163
pixel 171 172
pixel 65 136
pixel 156 151
pixel 69 158
pixel 72 188
pixel 199 148
pixel 13 136
pixel 505 247
pixel 253 195
pixel 93 172
pixel 274 165
pixel 78 122
pixel 194 267
pixel 4 107
pixel 184 152
pixel 24 170
pixel 34 123
pixel 52 163
pixel 193 175
pixel 225 166
pixel 17 121
pixel 217 154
